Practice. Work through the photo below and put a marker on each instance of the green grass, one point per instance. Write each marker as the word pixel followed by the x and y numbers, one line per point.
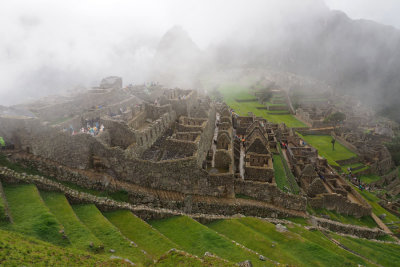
pixel 354 165
pixel 280 175
pixel 175 258
pixel 381 253
pixel 366 221
pixel 140 232
pixel 106 232
pixel 22 250
pixel 31 216
pixel 78 234
pixel 369 178
pixel 196 238
pixel 292 248
pixel 232 92
pixel 3 215
pixel 324 146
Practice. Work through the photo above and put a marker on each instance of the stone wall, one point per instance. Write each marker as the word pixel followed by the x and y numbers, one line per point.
pixel 146 137
pixel 348 229
pixel 270 193
pixel 340 204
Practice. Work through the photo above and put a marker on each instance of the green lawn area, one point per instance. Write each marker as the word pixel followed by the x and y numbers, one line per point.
pixel 291 247
pixel 22 250
pixel 381 253
pixel 232 92
pixel 369 178
pixel 324 146
pixel 140 232
pixel 30 215
pixel 363 221
pixel 280 175
pixel 78 234
pixel 109 234
pixel 196 238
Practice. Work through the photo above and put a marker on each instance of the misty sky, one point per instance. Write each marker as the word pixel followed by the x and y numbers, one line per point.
pixel 46 45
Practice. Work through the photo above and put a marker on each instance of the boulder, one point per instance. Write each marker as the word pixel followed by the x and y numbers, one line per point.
pixel 280 228
pixel 245 264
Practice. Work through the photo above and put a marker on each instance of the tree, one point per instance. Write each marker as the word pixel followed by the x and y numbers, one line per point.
pixel 336 118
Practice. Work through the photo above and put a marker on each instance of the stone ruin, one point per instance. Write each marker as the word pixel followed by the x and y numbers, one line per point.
pixel 176 149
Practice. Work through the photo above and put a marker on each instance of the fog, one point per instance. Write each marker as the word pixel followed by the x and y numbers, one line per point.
pixel 49 47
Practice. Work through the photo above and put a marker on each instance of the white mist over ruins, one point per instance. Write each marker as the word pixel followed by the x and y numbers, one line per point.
pixel 251 133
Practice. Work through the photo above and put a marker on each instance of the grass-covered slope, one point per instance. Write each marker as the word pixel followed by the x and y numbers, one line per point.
pixel 385 254
pixel 197 239
pixel 279 173
pixel 290 247
pixel 177 258
pixel 21 250
pixel 140 232
pixel 31 216
pixel 108 233
pixel 78 234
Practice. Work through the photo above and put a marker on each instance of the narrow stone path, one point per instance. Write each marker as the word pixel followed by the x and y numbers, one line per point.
pixel 241 161
pixel 213 145
pixel 381 224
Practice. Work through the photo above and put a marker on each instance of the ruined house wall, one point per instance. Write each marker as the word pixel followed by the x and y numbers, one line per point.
pixel 340 204
pixel 270 193
pixel 145 138
pixel 119 133
pixel 206 137
pixel 260 174
pixel 138 120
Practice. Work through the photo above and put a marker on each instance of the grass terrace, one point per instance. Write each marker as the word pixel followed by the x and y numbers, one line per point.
pixel 280 175
pixel 22 250
pixel 295 247
pixel 379 210
pixel 140 232
pixel 108 233
pixel 385 254
pixel 197 239
pixel 232 92
pixel 78 234
pixel 30 214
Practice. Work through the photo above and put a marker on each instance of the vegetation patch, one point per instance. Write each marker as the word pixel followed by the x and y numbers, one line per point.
pixel 78 234
pixel 31 216
pixel 280 175
pixel 140 232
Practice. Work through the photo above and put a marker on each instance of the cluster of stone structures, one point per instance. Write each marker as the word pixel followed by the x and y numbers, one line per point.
pixel 173 148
